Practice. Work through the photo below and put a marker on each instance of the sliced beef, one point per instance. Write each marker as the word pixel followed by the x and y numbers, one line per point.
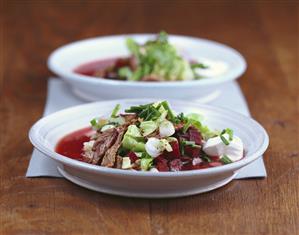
pixel 111 153
pixel 129 118
pixel 102 143
pixel 118 162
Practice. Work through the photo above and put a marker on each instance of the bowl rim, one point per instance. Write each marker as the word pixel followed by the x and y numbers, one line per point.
pixel 38 144
pixel 73 76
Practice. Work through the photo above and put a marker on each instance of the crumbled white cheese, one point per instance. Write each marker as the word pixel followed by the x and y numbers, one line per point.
pixel 215 147
pixel 126 163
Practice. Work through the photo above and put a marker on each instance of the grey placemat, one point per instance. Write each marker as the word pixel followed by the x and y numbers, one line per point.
pixel 60 97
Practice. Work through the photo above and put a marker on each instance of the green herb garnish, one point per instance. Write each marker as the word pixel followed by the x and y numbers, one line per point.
pixel 225 159
pixel 122 151
pixel 125 72
pixel 170 113
pixel 230 134
pixel 115 111
pixel 224 140
pixel 199 65
pixel 99 123
pixel 205 157
pixel 190 143
pixel 187 125
pixel 160 59
pixel 146 112
pixel 93 122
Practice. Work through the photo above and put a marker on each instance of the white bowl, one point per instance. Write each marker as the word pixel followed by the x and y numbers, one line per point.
pixel 65 59
pixel 45 134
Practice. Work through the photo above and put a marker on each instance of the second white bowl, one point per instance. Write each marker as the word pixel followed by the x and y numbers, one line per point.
pixel 65 59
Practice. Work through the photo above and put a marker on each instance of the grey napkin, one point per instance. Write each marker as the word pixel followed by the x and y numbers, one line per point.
pixel 60 96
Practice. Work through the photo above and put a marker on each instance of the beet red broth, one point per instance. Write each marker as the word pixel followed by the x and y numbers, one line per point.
pixel 71 145
pixel 90 68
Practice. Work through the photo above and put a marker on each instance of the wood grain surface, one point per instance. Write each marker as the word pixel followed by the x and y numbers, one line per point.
pixel 266 33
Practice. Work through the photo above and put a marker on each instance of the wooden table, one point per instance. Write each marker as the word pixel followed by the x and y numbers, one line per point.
pixel 265 33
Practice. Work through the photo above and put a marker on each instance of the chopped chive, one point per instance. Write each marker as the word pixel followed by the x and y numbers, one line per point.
pixel 170 112
pixel 182 150
pixel 224 140
pixel 115 111
pixel 230 134
pixel 187 125
pixel 206 158
pixel 93 122
pixel 225 159
pixel 199 65
pixel 147 111
pixel 190 143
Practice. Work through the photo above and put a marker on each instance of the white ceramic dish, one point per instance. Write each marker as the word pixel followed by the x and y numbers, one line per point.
pixel 66 58
pixel 45 134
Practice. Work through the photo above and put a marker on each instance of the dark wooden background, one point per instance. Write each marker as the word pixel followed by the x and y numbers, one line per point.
pixel 266 33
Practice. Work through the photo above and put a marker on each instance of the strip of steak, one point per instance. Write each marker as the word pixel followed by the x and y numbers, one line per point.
pixel 102 143
pixel 111 153
pixel 118 162
pixel 129 118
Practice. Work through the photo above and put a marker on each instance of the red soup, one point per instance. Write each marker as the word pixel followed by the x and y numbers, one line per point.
pixel 71 145
pixel 107 68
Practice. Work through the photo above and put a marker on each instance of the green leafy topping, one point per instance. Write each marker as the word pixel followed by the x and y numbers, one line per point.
pixel 194 119
pixel 225 159
pixel 154 111
pixel 125 72
pixel 148 127
pixel 158 58
pixel 146 161
pixel 98 123
pixel 146 112
pixel 133 139
pixel 115 111
pixel 181 118
pixel 195 116
pixel 116 121
pixel 133 47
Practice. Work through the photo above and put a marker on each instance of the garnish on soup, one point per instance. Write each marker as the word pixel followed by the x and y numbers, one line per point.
pixel 155 60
